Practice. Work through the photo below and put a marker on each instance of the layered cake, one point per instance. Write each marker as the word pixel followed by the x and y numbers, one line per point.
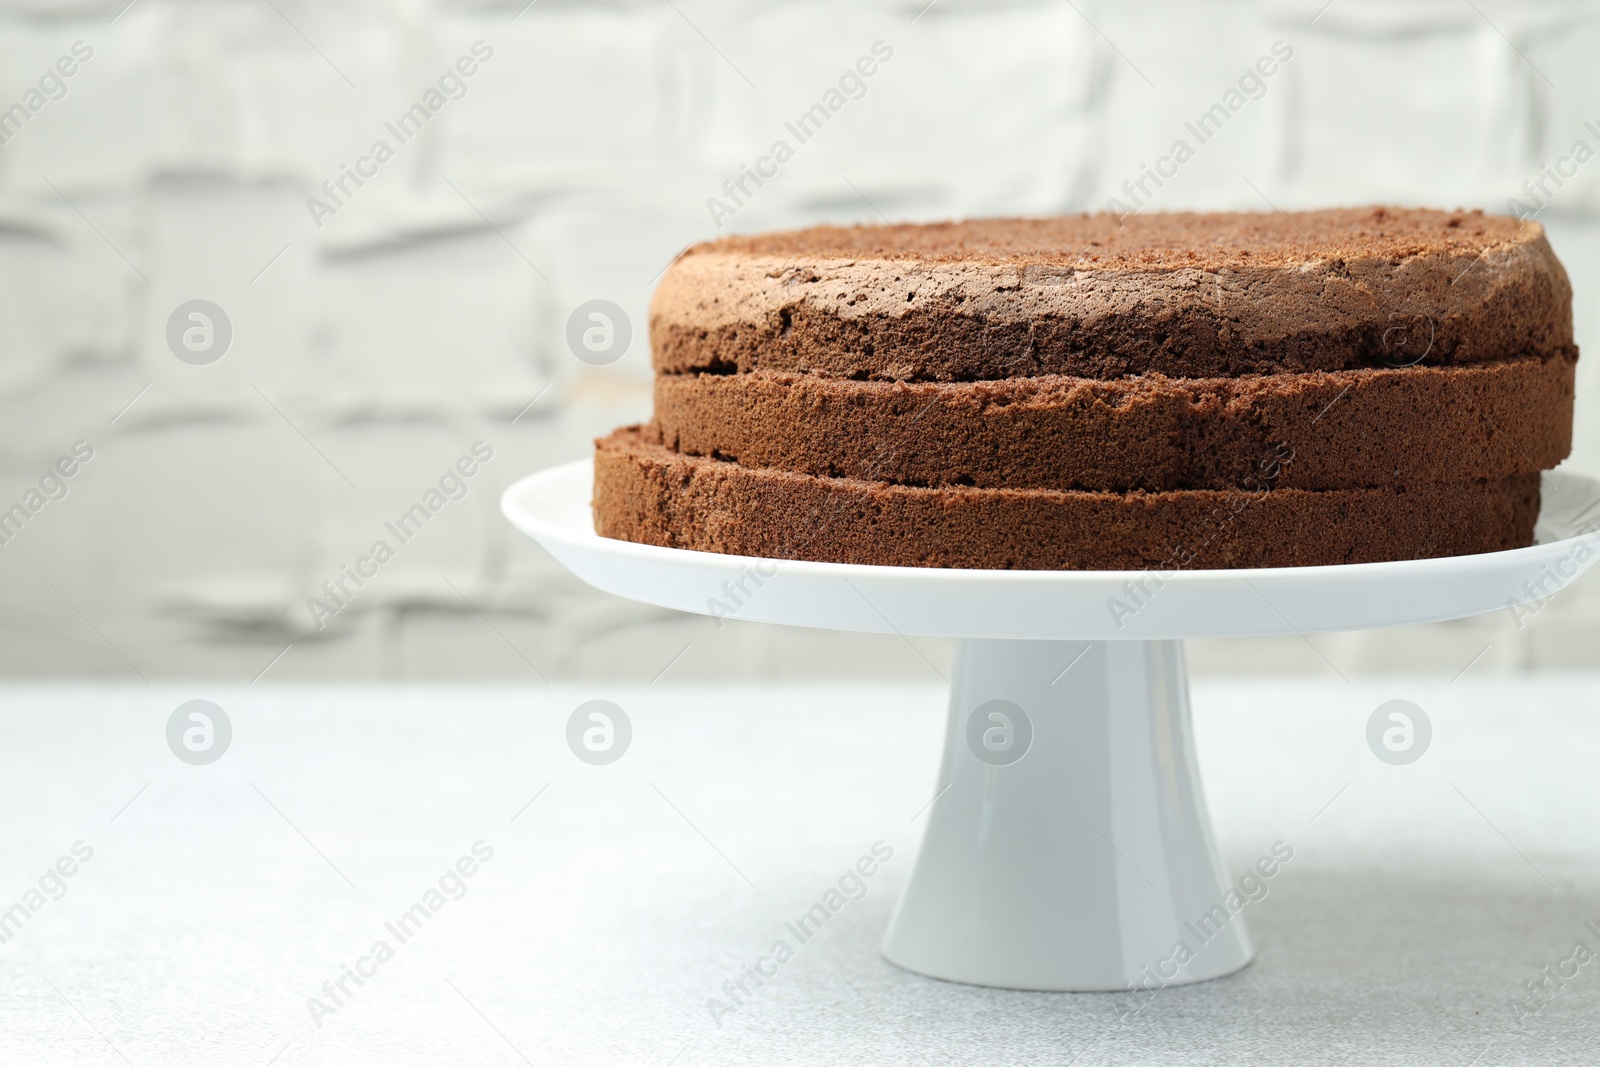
pixel 1178 390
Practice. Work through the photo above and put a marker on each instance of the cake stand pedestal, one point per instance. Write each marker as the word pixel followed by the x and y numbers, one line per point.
pixel 1068 846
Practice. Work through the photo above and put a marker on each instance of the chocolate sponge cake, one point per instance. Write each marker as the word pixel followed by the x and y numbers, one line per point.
pixel 1184 390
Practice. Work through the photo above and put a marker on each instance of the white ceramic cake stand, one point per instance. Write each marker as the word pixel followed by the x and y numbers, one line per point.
pixel 1069 846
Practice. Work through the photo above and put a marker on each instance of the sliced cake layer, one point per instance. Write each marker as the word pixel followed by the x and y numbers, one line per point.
pixel 1185 295
pixel 649 494
pixel 1344 429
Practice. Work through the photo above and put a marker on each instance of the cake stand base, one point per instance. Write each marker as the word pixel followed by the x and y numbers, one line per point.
pixel 1069 847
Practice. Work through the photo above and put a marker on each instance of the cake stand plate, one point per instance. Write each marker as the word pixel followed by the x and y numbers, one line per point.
pixel 1068 847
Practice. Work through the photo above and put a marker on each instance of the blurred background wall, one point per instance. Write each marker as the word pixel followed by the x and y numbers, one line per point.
pixel 375 339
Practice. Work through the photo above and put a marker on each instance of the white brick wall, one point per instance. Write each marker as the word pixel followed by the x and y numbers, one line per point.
pixel 426 314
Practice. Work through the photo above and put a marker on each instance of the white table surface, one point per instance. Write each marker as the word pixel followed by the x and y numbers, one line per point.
pixel 221 898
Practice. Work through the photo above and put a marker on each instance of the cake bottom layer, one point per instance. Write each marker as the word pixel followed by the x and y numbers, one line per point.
pixel 646 493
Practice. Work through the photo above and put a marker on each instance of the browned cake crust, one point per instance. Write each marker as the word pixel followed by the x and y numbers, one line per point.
pixel 648 494
pixel 1185 295
pixel 1345 429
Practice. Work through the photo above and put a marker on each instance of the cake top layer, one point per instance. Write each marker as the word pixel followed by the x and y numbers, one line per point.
pixel 1183 294
pixel 1156 241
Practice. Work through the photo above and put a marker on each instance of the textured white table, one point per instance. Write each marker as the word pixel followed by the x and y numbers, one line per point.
pixel 1417 905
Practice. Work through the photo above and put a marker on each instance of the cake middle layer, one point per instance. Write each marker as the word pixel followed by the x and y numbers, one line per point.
pixel 1319 430
pixel 649 494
